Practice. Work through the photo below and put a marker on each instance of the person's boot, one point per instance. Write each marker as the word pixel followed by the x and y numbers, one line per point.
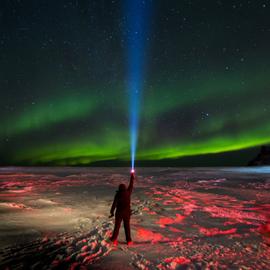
pixel 130 243
pixel 114 242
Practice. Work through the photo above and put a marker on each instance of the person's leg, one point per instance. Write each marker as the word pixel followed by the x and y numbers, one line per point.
pixel 126 220
pixel 117 224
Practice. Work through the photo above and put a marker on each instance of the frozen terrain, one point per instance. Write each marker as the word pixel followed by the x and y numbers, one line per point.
pixel 57 218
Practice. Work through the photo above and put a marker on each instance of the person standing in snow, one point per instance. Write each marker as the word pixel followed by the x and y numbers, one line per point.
pixel 122 205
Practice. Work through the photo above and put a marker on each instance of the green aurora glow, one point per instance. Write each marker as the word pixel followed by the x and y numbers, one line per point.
pixel 248 125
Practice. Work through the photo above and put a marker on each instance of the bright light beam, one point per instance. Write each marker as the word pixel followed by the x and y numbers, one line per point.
pixel 137 18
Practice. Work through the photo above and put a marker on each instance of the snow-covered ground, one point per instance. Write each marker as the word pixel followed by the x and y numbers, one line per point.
pixel 196 218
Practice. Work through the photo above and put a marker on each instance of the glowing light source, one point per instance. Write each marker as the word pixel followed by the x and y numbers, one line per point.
pixel 136 33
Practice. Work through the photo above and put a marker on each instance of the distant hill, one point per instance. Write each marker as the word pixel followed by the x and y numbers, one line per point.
pixel 263 158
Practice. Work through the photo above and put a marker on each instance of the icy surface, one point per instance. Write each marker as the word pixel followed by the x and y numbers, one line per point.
pixel 259 170
pixel 57 218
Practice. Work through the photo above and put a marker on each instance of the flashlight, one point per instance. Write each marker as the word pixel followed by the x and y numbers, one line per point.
pixel 132 171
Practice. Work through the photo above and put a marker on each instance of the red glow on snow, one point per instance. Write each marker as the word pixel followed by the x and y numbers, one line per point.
pixel 67 210
pixel 14 205
pixel 215 231
pixel 75 266
pixel 85 248
pixel 177 260
pixel 167 220
pixel 265 231
pixel 175 230
pixel 148 235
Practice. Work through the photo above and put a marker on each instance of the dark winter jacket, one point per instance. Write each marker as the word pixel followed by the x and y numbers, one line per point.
pixel 122 198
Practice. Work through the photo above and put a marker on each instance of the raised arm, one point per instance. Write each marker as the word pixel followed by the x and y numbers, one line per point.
pixel 114 204
pixel 131 182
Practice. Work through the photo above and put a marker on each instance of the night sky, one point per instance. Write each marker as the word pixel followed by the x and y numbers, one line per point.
pixel 63 80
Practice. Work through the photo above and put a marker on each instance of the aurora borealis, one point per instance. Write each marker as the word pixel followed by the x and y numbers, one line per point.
pixel 63 78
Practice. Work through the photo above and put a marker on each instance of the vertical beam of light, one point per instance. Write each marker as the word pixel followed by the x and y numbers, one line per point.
pixel 137 18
